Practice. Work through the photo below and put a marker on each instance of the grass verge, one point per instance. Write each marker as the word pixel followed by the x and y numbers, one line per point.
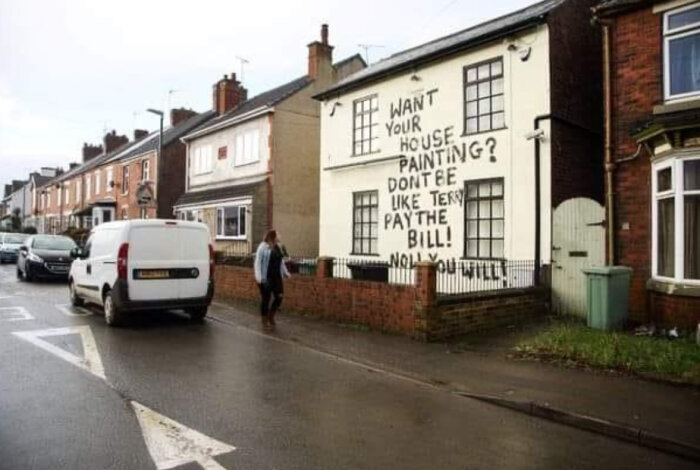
pixel 573 343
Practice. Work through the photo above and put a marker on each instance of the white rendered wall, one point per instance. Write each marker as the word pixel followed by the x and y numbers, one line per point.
pixel 502 153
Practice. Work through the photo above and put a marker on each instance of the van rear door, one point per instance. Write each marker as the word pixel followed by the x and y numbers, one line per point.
pixel 168 261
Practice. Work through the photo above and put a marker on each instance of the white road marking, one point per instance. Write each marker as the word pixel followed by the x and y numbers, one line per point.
pixel 15 314
pixel 91 362
pixel 72 311
pixel 172 444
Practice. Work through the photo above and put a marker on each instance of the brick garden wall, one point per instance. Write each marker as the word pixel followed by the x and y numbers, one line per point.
pixel 483 311
pixel 410 310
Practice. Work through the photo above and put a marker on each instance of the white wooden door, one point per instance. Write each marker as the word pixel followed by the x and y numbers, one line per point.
pixel 578 242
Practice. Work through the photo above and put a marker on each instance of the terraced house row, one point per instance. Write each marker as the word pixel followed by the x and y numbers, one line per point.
pixel 512 154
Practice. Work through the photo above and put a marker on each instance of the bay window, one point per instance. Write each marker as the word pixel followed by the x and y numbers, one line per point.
pixel 676 219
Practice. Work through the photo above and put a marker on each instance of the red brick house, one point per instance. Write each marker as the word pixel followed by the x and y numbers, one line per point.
pixel 653 153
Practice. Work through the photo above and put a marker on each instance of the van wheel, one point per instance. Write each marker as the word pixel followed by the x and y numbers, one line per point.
pixel 75 300
pixel 113 317
pixel 197 314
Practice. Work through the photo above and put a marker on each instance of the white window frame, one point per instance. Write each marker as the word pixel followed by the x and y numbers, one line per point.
pixel 247 148
pixel 668 36
pixel 219 222
pixel 97 182
pixel 66 194
pixel 125 179
pixel 109 179
pixel 677 193
pixel 145 170
pixel 202 161
pixel 88 186
pixel 78 195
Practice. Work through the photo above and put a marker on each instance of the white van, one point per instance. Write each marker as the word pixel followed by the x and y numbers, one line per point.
pixel 144 265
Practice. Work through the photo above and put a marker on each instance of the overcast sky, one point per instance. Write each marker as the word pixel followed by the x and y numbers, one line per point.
pixel 69 69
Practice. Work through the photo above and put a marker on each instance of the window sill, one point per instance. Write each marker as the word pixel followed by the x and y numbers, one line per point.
pixel 671 106
pixel 231 239
pixel 365 254
pixel 240 165
pixel 368 154
pixel 679 288
pixel 471 134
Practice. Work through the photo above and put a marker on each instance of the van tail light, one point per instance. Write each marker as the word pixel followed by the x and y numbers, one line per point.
pixel 212 264
pixel 122 260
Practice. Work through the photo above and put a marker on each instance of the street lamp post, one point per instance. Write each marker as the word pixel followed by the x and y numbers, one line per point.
pixel 159 158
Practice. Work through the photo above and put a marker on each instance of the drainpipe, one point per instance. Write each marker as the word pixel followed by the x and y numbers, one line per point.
pixel 609 163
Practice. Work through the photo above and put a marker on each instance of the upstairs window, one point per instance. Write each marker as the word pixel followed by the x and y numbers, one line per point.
pixel 201 160
pixel 88 187
pixel 682 52
pixel 484 102
pixel 125 179
pixel 97 182
pixel 365 125
pixel 247 147
pixel 109 181
pixel 145 172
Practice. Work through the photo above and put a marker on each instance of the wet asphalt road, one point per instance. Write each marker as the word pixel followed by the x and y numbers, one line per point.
pixel 280 405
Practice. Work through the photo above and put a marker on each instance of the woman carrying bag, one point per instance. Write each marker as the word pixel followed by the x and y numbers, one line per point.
pixel 269 272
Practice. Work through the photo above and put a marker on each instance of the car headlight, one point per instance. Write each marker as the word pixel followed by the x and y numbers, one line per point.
pixel 33 257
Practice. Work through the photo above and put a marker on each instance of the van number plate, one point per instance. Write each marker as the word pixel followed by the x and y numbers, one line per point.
pixel 152 274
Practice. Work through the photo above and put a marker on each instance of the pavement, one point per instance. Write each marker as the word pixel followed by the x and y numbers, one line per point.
pixel 163 393
pixel 482 366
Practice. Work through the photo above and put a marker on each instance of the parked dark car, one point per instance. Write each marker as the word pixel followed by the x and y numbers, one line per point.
pixel 45 256
pixel 9 246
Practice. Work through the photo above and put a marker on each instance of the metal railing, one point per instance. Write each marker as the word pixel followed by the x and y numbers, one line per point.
pixel 372 270
pixel 468 276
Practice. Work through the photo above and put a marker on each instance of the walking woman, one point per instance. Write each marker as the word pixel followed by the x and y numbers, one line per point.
pixel 269 272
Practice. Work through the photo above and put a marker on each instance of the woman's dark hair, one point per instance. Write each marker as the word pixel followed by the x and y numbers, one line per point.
pixel 270 237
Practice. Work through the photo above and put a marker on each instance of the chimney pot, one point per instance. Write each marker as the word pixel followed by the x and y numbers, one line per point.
pixel 324 33
pixel 140 134
pixel 227 94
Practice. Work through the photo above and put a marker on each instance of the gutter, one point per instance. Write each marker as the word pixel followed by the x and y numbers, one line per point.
pixel 431 57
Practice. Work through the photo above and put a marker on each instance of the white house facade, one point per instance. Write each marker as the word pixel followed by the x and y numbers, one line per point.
pixel 430 155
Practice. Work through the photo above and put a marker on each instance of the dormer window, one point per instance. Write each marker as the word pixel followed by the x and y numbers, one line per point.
pixel 682 52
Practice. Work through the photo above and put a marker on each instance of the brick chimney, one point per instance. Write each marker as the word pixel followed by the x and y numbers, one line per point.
pixel 139 134
pixel 178 115
pixel 112 141
pixel 228 93
pixel 321 57
pixel 91 151
pixel 73 165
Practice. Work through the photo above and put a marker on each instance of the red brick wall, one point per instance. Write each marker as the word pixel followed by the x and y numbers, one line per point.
pixel 173 175
pixel 576 95
pixel 409 310
pixel 636 88
pixel 127 201
pixel 487 311
pixel 674 310
pixel 380 306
